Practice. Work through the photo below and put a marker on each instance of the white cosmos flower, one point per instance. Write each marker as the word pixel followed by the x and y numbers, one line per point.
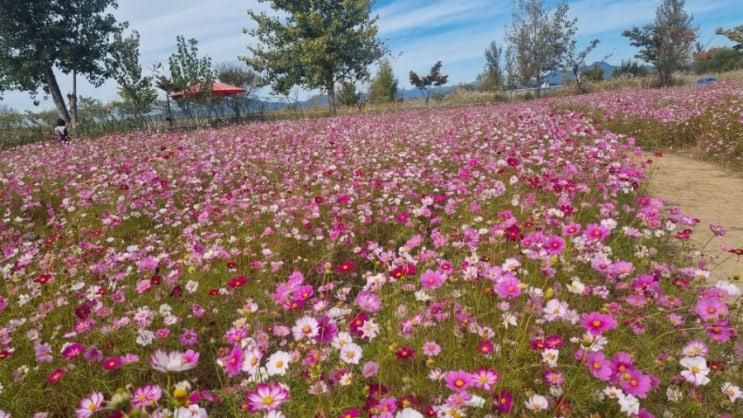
pixel 629 405
pixel 733 392
pixel 408 413
pixel 550 357
pixel 341 339
pixel 370 329
pixel 351 353
pixel 252 361
pixel 536 403
pixel 696 370
pixel 278 363
pixel 305 327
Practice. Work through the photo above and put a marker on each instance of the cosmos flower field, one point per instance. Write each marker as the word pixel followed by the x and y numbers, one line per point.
pixel 501 260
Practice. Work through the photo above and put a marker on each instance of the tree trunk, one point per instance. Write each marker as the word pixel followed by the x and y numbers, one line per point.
pixel 170 114
pixel 331 99
pixel 73 101
pixel 51 82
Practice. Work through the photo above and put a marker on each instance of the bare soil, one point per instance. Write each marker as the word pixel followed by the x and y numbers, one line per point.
pixel 710 193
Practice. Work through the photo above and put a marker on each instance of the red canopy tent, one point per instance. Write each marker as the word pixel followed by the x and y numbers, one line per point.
pixel 218 90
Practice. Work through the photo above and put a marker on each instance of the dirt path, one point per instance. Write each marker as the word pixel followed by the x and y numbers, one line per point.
pixel 709 193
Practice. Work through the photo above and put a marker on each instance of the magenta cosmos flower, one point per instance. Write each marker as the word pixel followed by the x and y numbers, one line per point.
pixel 267 397
pixel 596 323
pixel 431 280
pixel 711 309
pixel 599 366
pixel 458 380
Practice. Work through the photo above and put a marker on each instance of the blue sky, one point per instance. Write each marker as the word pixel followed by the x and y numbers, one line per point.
pixel 418 32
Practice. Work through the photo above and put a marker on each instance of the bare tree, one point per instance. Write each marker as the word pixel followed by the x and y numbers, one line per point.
pixel 238 75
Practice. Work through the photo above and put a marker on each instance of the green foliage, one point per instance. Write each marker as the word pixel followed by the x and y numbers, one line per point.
pixel 630 69
pixel 348 96
pixel 593 74
pixel 718 60
pixel 315 45
pixel 734 34
pixel 383 88
pixel 540 39
pixel 190 73
pixel 38 36
pixel 665 43
pixel 135 89
pixel 433 79
pixel 492 78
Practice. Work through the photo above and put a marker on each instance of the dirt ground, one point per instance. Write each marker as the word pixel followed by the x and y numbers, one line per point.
pixel 709 193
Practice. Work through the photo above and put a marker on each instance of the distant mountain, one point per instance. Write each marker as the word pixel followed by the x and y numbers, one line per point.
pixel 558 77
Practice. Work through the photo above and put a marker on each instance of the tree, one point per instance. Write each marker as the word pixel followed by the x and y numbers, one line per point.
pixel 189 73
pixel 135 89
pixel 434 78
pixel 492 79
pixel 575 62
pixel 166 85
pixel 667 42
pixel 540 39
pixel 718 60
pixel 315 45
pixel 630 69
pixel 37 37
pixel 511 72
pixel 383 88
pixel 735 34
pixel 240 76
pixel 348 95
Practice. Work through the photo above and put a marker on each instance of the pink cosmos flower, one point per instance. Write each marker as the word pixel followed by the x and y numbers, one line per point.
pixel 146 396
pixel 368 301
pixel 370 369
pixel 711 309
pixel 555 245
pixel 267 397
pixel 635 383
pixel 431 280
pixel 599 366
pixel 232 363
pixel 571 230
pixel 431 349
pixel 596 323
pixel 596 232
pixel 458 380
pixel 71 351
pixel 485 379
pixel 90 405
pixel 508 287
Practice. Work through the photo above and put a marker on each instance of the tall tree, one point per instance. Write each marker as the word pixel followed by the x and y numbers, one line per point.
pixel 510 67
pixel 166 85
pixel 135 89
pixel 433 79
pixel 734 34
pixel 667 42
pixel 492 78
pixel 190 73
pixel 540 39
pixel 315 44
pixel 39 36
pixel 383 88
pixel 347 96
pixel 241 76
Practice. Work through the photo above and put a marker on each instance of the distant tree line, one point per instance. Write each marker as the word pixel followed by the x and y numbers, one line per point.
pixel 326 46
